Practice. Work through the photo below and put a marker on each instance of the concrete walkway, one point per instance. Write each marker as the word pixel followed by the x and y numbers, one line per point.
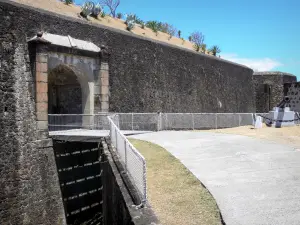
pixel 253 181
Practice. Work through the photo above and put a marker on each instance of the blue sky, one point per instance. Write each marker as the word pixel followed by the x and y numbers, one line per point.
pixel 262 34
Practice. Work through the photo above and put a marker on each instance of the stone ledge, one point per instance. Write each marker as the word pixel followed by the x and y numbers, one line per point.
pixel 45 143
pixel 41 58
pixel 42 134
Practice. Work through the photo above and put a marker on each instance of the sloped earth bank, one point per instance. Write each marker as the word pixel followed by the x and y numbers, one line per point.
pixel 74 10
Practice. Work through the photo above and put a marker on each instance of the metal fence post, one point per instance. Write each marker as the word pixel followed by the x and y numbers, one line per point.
pixel 116 134
pixel 159 121
pixel 125 146
pixel 131 121
pixel 145 182
pixel 216 120
pixel 193 121
pixel 239 120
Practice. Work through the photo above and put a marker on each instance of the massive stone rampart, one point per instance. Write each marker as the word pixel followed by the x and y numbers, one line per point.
pixel 145 75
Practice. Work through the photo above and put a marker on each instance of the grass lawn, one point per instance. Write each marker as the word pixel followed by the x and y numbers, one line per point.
pixel 174 193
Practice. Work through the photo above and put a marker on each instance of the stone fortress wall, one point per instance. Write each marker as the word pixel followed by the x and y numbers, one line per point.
pixel 147 76
pixel 144 76
pixel 269 88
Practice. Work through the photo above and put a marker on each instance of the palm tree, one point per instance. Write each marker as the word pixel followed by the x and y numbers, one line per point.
pixel 215 49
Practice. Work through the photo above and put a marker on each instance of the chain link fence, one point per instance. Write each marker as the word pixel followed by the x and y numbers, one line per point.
pixel 183 121
pixel 59 122
pixel 134 163
pixel 155 121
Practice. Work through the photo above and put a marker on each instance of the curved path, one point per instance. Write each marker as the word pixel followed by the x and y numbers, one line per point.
pixel 253 181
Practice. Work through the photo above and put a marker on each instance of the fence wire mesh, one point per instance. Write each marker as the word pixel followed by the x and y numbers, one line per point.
pixel 133 162
pixel 58 122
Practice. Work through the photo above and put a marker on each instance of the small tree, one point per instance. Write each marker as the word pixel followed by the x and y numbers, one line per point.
pixel 179 33
pixel 215 49
pixel 198 39
pixel 171 30
pixel 112 5
pixel 190 38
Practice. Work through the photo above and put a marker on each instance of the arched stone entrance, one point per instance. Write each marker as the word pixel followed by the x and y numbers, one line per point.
pixel 71 77
pixel 64 92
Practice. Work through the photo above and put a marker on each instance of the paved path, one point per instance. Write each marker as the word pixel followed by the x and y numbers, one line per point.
pixel 253 181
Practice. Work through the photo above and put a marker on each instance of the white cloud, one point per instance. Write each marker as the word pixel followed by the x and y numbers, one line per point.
pixel 263 64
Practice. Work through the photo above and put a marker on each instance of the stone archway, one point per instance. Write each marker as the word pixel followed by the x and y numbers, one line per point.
pixel 75 67
pixel 65 95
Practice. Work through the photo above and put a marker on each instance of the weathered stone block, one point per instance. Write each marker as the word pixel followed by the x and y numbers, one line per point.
pixel 42 58
pixel 104 106
pixel 42 107
pixel 41 87
pixel 41 77
pixel 42 116
pixel 41 67
pixel 104 98
pixel 104 90
pixel 104 81
pixel 41 97
pixel 45 143
pixel 42 134
pixel 104 74
pixel 42 125
pixel 104 66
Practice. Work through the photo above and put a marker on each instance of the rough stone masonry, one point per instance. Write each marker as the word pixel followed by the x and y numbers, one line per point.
pixel 144 76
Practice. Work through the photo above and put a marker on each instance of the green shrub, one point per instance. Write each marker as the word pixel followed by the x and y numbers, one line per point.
pixel 183 41
pixel 102 14
pixel 68 2
pixel 119 15
pixel 179 34
pixel 153 25
pixel 196 47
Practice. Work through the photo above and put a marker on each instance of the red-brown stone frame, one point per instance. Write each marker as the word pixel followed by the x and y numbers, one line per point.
pixel 101 86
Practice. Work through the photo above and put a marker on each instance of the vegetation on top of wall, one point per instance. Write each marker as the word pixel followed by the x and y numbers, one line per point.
pixel 68 2
pixel 179 33
pixel 86 9
pixel 130 21
pixel 197 37
pixel 119 15
pixel 96 10
pixel 215 49
pixel 112 5
pixel 102 14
